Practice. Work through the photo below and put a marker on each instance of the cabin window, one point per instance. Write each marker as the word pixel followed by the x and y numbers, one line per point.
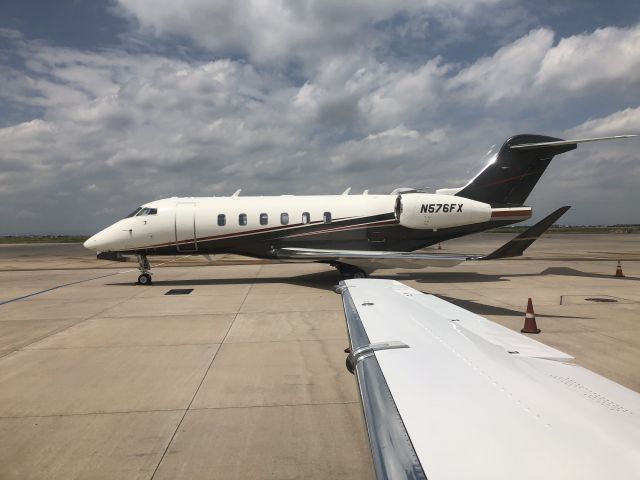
pixel 222 220
pixel 242 219
pixel 284 218
pixel 327 217
pixel 264 219
pixel 306 218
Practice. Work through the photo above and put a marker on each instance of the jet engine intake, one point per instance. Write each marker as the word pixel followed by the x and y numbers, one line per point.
pixel 428 211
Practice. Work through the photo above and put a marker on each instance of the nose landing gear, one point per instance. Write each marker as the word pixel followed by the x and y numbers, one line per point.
pixel 145 270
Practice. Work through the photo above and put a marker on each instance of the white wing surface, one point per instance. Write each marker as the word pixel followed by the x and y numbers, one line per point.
pixel 448 394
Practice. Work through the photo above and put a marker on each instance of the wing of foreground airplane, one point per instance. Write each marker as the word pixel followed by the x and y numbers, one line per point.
pixel 381 259
pixel 447 394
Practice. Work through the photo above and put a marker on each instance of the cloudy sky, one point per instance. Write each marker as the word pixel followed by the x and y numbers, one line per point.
pixel 105 105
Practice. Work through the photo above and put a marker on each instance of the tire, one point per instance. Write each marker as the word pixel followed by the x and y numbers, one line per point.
pixel 144 279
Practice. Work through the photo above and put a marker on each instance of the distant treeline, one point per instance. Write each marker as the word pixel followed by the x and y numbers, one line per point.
pixel 43 238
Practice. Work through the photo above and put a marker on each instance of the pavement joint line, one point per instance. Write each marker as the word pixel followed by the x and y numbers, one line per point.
pixel 55 288
pixel 195 314
pixel 169 410
pixel 276 405
pixel 86 414
pixel 74 283
pixel 150 345
pixel 55 332
pixel 301 340
pixel 173 435
pixel 93 347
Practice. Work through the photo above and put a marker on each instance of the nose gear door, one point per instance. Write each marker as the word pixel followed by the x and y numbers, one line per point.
pixel 186 227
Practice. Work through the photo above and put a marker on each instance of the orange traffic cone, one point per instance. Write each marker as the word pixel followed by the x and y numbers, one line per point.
pixel 439 246
pixel 530 325
pixel 619 270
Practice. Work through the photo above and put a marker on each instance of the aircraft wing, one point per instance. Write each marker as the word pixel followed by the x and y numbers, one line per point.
pixel 382 259
pixel 447 394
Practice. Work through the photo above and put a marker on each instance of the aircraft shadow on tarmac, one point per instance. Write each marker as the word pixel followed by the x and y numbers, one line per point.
pixel 475 277
pixel 483 309
pixel 329 279
pixel 318 280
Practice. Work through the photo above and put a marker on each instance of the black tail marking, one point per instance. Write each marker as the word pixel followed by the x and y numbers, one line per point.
pixel 508 181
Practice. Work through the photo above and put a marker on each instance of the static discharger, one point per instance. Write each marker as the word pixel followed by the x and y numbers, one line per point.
pixel 530 325
pixel 619 270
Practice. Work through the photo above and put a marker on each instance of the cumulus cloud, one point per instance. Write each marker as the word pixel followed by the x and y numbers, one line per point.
pixel 114 128
pixel 608 56
pixel 532 67
pixel 286 30
pixel 507 74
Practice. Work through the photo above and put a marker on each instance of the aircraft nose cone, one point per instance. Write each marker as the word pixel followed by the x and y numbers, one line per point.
pixel 90 243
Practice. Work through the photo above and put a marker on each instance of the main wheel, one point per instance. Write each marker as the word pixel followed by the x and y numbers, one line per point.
pixel 144 279
pixel 348 272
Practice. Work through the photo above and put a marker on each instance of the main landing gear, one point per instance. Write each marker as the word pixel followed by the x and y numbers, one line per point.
pixel 145 270
pixel 349 271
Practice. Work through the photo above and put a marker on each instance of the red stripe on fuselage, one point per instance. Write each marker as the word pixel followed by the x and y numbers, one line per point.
pixel 511 213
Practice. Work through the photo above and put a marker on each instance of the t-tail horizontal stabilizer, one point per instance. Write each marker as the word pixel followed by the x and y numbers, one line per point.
pixel 518 245
pixel 530 146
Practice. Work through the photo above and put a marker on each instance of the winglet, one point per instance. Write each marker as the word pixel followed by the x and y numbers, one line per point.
pixel 518 245
pixel 567 142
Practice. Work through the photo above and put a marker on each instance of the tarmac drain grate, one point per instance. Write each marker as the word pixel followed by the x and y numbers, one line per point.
pixel 601 300
pixel 179 291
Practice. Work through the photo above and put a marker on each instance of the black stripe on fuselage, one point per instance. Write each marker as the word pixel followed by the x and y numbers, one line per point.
pixel 373 233
pixel 259 242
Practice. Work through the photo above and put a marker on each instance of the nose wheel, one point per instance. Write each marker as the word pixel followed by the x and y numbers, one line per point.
pixel 145 270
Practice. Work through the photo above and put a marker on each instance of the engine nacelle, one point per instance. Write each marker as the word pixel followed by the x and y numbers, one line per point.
pixel 427 211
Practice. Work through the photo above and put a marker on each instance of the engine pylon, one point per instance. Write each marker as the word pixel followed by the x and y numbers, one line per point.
pixel 530 325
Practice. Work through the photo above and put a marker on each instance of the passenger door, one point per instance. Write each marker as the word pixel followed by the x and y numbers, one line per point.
pixel 186 227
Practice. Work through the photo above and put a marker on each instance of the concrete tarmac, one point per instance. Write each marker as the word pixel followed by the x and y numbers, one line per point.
pixel 244 376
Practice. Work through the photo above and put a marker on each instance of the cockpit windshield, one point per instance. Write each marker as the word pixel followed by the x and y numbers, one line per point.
pixel 140 211
pixel 147 211
pixel 133 214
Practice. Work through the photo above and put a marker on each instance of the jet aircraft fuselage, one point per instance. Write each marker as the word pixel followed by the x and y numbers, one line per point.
pixel 354 233
pixel 260 226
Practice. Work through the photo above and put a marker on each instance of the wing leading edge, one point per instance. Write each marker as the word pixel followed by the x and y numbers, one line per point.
pixel 382 259
pixel 448 394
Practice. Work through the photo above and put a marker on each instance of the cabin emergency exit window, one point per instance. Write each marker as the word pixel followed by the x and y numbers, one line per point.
pixel 242 219
pixel 306 218
pixel 284 218
pixel 264 219
pixel 222 220
pixel 327 217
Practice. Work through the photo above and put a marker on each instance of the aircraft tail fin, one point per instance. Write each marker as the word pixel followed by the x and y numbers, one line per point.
pixel 509 179
pixel 519 244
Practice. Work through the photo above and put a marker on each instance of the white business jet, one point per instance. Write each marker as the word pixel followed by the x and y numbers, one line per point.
pixel 354 233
